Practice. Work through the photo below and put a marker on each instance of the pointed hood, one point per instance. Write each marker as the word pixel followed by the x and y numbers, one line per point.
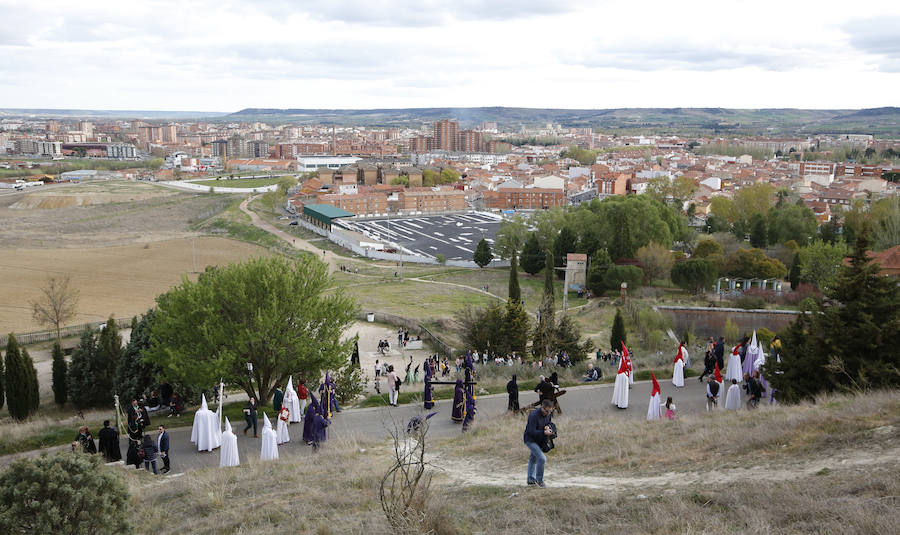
pixel 718 374
pixel 203 406
pixel 625 350
pixel 266 423
pixel 735 350
pixel 227 426
pixel 679 355
pixel 656 389
pixel 290 385
pixel 623 365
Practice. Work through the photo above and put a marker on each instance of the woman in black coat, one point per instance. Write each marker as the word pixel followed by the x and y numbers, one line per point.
pixel 132 457
pixel 108 443
pixel 149 447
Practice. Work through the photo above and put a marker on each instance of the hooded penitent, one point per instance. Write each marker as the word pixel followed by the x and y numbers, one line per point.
pixel 678 371
pixel 228 455
pixel 292 402
pixel 653 410
pixel 620 390
pixel 733 370
pixel 206 432
pixel 269 447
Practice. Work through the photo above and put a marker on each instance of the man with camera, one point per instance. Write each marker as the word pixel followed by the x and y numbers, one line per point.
pixel 539 434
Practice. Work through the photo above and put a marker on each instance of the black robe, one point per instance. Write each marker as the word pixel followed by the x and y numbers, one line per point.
pixel 512 388
pixel 108 442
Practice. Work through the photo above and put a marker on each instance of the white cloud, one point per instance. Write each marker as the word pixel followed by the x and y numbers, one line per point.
pixel 365 54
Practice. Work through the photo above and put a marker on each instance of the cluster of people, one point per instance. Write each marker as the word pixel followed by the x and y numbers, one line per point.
pixel 383 347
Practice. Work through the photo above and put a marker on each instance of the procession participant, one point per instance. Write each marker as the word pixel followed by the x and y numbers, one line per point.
pixel 108 443
pixel 712 394
pixel 292 402
pixel 302 395
pixel 269 447
pixel 469 415
pixel 309 417
pixel 429 390
pixel 277 398
pixel 84 440
pixel 228 455
pixel 394 389
pixel 512 389
pixel 654 409
pixel 205 432
pixel 678 372
pixel 409 377
pixel 459 402
pixel 281 426
pixel 620 389
pixel 733 397
pixel 733 371
pixel 134 453
pixel 318 434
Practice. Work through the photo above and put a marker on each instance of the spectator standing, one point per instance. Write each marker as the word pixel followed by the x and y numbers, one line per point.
pixel 535 436
pixel 162 446
pixel 250 415
pixel 150 451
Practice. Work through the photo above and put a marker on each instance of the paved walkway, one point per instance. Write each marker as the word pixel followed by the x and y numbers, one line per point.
pixel 589 403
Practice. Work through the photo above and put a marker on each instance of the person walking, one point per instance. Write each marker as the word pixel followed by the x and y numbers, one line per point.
pixel 162 446
pixel 302 395
pixel 670 408
pixel 537 431
pixel 108 443
pixel 512 388
pixel 250 415
pixel 150 451
pixel 277 398
pixel 392 385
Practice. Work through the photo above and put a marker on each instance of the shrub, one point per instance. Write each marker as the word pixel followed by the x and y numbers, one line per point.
pixel 618 336
pixel 730 331
pixel 769 296
pixel 441 259
pixel 350 383
pixel 59 375
pixel 694 275
pixel 750 302
pixel 655 340
pixel 764 336
pixel 64 494
pixel 803 291
pixel 616 275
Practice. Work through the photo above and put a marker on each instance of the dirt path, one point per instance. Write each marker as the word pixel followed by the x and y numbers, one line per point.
pixel 486 473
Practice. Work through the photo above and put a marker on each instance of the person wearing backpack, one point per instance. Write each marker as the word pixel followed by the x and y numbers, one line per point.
pixel 538 431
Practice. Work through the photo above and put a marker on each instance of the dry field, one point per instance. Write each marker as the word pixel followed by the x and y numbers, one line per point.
pixel 121 280
pixel 829 467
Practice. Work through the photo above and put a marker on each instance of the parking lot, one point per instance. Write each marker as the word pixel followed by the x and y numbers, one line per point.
pixel 454 235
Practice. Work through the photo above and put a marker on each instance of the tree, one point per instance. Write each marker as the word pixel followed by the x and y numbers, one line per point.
pixel 616 275
pixel 449 175
pixel 515 293
pixel 791 222
pixel 706 247
pixel 516 326
pixel 2 384
pixel 430 178
pixel 63 494
pixel 18 382
pixel 754 264
pixel 483 254
pixel 32 388
pixel 270 312
pixel 583 156
pixel 753 199
pixel 80 380
pixel 532 255
pixel 545 327
pixel 724 209
pixel 622 245
pixel 850 343
pixel 567 338
pixel 134 375
pixel 795 275
pixel 56 304
pixel 676 190
pixel 548 275
pixel 106 362
pixel 657 261
pixel 758 231
pixel 694 275
pixel 618 336
pixel 562 246
pixel 600 262
pixel 885 223
pixel 59 375
pixel 510 237
pixel 820 263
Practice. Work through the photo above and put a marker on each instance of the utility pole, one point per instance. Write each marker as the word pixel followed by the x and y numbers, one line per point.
pixel 193 256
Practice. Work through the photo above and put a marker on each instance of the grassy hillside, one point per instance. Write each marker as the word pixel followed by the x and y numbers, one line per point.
pixel 828 467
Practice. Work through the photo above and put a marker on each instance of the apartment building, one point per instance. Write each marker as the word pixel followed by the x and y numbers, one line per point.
pixel 524 199
pixel 358 203
pixel 430 200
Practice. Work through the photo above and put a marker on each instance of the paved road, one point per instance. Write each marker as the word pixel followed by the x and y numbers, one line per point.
pixel 582 403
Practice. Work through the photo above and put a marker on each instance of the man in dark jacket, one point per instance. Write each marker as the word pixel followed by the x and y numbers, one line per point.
pixel 162 446
pixel 720 353
pixel 536 432
pixel 277 398
pixel 512 388
pixel 108 443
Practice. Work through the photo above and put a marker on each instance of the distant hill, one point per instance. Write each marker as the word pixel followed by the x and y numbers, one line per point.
pixel 879 121
pixel 105 114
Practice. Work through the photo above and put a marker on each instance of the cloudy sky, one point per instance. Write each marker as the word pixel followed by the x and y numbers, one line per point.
pixel 225 56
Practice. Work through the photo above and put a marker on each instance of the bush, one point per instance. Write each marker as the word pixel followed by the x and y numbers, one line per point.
pixel 616 275
pixel 764 336
pixel 618 336
pixel 730 331
pixel 750 302
pixel 655 340
pixel 803 291
pixel 350 383
pixel 441 258
pixel 769 296
pixel 64 494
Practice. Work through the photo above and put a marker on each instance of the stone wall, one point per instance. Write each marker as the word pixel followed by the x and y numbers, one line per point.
pixel 710 321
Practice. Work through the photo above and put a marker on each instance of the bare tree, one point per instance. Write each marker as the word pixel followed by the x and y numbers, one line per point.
pixel 404 488
pixel 57 303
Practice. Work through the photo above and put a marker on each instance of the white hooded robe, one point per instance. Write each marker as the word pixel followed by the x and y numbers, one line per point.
pixel 228 455
pixel 733 398
pixel 269 447
pixel 206 432
pixel 292 402
pixel 620 391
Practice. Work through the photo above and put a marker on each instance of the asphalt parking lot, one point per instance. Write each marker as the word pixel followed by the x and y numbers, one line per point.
pixel 454 235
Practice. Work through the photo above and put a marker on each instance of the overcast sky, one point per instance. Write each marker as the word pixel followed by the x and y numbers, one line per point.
pixel 225 56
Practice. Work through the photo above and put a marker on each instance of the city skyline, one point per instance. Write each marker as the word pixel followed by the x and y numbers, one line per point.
pixel 369 55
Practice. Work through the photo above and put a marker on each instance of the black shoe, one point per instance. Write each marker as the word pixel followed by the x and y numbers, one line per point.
pixel 531 483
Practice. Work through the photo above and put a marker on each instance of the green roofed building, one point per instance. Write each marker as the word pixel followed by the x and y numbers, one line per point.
pixel 322 215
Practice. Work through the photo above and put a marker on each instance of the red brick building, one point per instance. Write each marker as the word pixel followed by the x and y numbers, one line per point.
pixel 524 199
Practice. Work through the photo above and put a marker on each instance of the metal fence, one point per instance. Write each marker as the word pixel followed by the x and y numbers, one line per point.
pixel 64 332
pixel 442 347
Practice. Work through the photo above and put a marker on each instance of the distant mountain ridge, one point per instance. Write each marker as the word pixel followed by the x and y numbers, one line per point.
pixel 63 113
pixel 883 121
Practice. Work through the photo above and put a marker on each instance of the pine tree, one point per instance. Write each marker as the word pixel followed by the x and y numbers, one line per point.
pixel 32 388
pixel 548 275
pixel 600 263
pixel 516 326
pixel 567 338
pixel 544 328
pixel 532 255
pixel 563 245
pixel 79 384
pixel 850 344
pixel 18 400
pixel 483 254
pixel 134 376
pixel 622 245
pixel 106 363
pixel 794 275
pixel 758 231
pixel 618 336
pixel 515 293
pixel 59 375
